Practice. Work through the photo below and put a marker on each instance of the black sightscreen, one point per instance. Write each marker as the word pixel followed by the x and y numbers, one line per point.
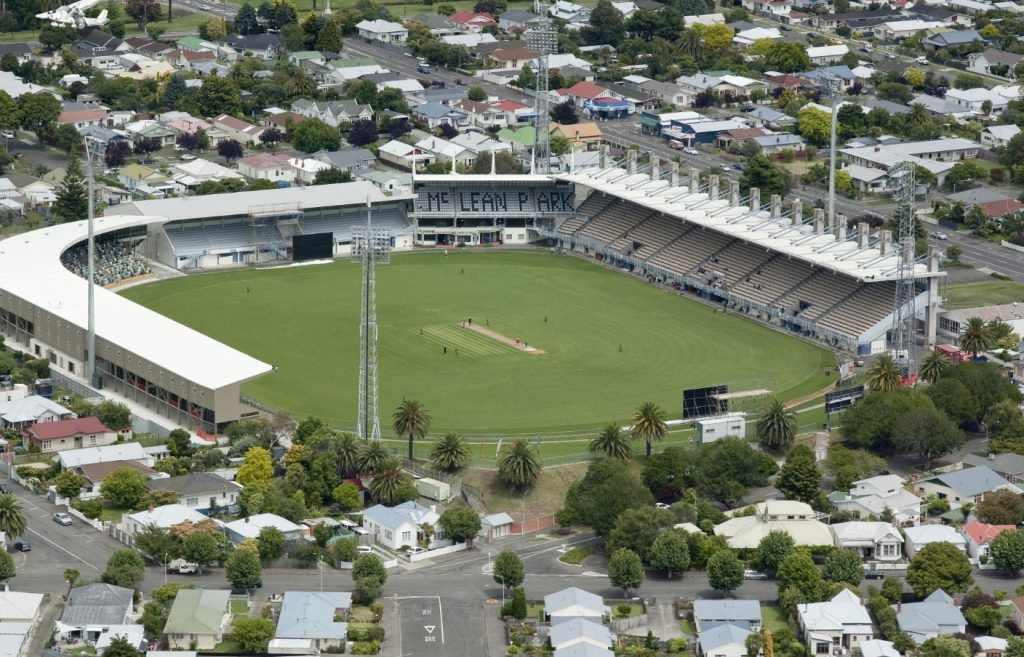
pixel 700 402
pixel 315 246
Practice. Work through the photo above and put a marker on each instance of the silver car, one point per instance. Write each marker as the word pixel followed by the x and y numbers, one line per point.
pixel 62 519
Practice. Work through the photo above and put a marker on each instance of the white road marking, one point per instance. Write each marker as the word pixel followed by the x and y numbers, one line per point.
pixel 63 549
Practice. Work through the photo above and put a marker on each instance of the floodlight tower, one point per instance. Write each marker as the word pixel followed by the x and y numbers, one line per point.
pixel 542 38
pixel 370 246
pixel 834 86
pixel 94 148
pixel 904 314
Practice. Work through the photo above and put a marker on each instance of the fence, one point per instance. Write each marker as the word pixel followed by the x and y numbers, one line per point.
pixel 532 525
pixel 430 554
pixel 423 471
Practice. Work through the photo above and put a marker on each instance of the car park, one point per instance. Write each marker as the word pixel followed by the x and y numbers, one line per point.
pixel 62 518
pixel 754 574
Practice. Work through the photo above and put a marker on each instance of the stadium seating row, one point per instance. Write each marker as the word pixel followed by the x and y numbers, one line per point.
pixel 114 262
pixel 840 303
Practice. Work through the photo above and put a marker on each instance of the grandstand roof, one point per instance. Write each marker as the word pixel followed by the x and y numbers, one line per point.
pixel 225 205
pixel 33 272
pixel 821 250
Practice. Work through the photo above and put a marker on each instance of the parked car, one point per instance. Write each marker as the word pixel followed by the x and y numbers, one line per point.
pixel 62 518
pixel 874 574
pixel 939 235
pixel 188 157
pixel 754 574
pixel 23 546
pixel 4 488
pixel 921 60
pixel 182 567
pixel 725 167
pixel 738 166
pixel 415 550
pixel 889 55
pixel 364 549
pixel 690 150
pixel 460 82
pixel 662 505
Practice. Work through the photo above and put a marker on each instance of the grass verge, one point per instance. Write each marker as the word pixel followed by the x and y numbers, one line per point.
pixel 983 293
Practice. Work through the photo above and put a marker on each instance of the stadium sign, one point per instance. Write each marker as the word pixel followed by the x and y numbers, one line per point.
pixel 535 199
pixel 840 400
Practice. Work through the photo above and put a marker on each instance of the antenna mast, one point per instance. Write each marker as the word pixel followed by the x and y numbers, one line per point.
pixel 542 38
pixel 904 315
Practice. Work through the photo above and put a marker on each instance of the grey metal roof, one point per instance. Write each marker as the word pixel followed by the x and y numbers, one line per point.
pixel 192 484
pixel 573 596
pixel 347 157
pixel 583 649
pixel 955 38
pixel 887 105
pixel 722 635
pixel 727 610
pixel 434 110
pixel 97 604
pixel 936 614
pixel 972 481
pixel 310 615
pixel 1004 464
pixel 579 628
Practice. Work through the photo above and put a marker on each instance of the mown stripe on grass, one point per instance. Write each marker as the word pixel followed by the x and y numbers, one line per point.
pixel 468 343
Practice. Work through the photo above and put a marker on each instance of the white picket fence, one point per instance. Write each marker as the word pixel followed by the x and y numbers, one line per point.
pixel 430 554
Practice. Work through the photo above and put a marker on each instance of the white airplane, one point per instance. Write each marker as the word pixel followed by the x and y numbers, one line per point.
pixel 73 15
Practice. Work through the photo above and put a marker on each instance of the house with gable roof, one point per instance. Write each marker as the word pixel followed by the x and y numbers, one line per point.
pixel 564 605
pixel 88 608
pixel 872 496
pixel 965 485
pixel 878 541
pixel 402 524
pixel 237 129
pixel 979 535
pixel 310 617
pixel 723 641
pixel 199 618
pixel 936 615
pixel 745 614
pixel 60 435
pixel 580 630
pixel 843 622
pixel 998 135
pixel 918 537
pixel 795 518
pixel 990 60
pixel 383 31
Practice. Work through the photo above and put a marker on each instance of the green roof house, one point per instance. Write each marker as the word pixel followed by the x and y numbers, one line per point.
pixel 522 138
pixel 199 619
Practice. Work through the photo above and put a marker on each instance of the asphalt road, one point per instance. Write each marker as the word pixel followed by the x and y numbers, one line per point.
pixel 983 253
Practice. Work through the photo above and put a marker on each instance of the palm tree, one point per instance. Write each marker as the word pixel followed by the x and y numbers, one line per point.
pixel 519 464
pixel 411 420
pixel 884 374
pixel 933 366
pixel 347 449
pixel 387 481
pixel 300 84
pixel 649 424
pixel 450 452
pixel 372 456
pixel 777 425
pixel 12 520
pixel 612 442
pixel 917 115
pixel 976 337
pixel 690 43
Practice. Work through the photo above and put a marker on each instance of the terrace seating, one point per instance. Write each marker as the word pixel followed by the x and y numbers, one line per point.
pixel 821 292
pixel 114 262
pixel 595 204
pixel 652 234
pixel 620 218
pixel 774 279
pixel 867 306
pixel 741 259
pixel 690 254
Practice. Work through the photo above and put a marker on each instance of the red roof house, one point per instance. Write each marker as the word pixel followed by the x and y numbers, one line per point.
pixel 1002 207
pixel 472 20
pixel 69 434
pixel 979 534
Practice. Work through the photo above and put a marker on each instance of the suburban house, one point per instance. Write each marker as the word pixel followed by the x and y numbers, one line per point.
pixel 778 142
pixel 69 434
pixel 580 630
pixel 250 526
pixel 797 519
pixel 265 46
pixel 199 619
pixel 201 491
pixel 95 473
pixel 309 617
pixel 580 135
pixel 824 55
pixel 745 614
pixel 877 541
pixel 998 135
pixel 979 534
pixel 482 114
pixel 437 114
pixel 878 648
pixel 472 21
pixel 774 8
pixel 401 525
pixel 1017 611
pixel 82 118
pixel 20 413
pixel 267 167
pixel 993 62
pixel 966 485
pixel 956 38
pixel 922 535
pixel 146 181
pixel 1007 464
pixel 842 622
pixel 991 646
pixel 874 495
pixel 118 452
pixel 564 605
pixel 334 112
pixel 194 173
pixel 88 608
pixel 404 155
pixel 383 31
pixel 935 616
pixel 19 607
pixel 723 641
pixel 446 151
pixel 164 517
pixel 516 20
pixel 347 159
pixel 237 129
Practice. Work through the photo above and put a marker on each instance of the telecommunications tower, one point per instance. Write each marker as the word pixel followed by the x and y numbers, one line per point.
pixel 542 38
pixel 370 246
pixel 904 316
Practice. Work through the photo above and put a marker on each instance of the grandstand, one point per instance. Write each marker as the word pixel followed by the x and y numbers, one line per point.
pixel 793 271
pixel 115 262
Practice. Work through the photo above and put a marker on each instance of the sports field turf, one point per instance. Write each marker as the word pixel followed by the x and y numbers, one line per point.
pixel 610 340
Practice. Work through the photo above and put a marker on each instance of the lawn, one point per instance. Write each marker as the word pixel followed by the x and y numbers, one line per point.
pixel 609 340
pixel 772 619
pixel 240 607
pixel 576 556
pixel 983 293
pixel 111 514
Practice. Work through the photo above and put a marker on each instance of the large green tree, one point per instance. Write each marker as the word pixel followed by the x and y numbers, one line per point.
pixel 765 174
pixel 218 95
pixel 625 570
pixel 73 194
pixel 933 366
pixel 1007 550
pixel 257 468
pixel 126 568
pixel 939 566
pixel 242 568
pixel 850 465
pixel 727 468
pixel 38 112
pixel 7 570
pixel 508 569
pixel 119 646
pixel 871 422
pixel 411 421
pixel 124 488
pixel 450 452
pixel 203 548
pixel 885 374
pixel 799 579
pixel 799 478
pixel 773 548
pixel 776 426
pixel 252 634
pixel 670 552
pixel 953 398
pixel 389 483
pixel 637 529
pixel 313 135
pixel 927 433
pixel 725 571
pixel 606 490
pixel 1001 507
pixel 844 566
pixel 460 524
pixel 606 26
pixel 976 336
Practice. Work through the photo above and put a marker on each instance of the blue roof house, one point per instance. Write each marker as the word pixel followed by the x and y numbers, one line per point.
pixel 309 618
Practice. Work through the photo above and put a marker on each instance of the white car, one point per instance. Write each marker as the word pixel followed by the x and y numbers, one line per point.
pixel 939 235
pixel 415 550
pixel 187 157
pixel 921 60
pixel 725 167
pixel 7 134
pixel 754 574
pixel 690 150
pixel 662 505
pixel 364 549
pixel 62 519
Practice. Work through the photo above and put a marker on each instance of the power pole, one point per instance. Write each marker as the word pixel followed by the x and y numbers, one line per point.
pixel 903 334
pixel 370 246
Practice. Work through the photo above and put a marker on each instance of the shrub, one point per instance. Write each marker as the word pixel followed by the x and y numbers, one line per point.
pixel 366 648
pixel 91 509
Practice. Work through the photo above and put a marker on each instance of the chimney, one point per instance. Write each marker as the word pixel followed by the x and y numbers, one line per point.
pixel 713 187
pixel 819 221
pixel 776 206
pixel 631 158
pixel 694 179
pixel 755 198
pixel 673 174
pixel 734 192
pixel 863 234
pixel 797 217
